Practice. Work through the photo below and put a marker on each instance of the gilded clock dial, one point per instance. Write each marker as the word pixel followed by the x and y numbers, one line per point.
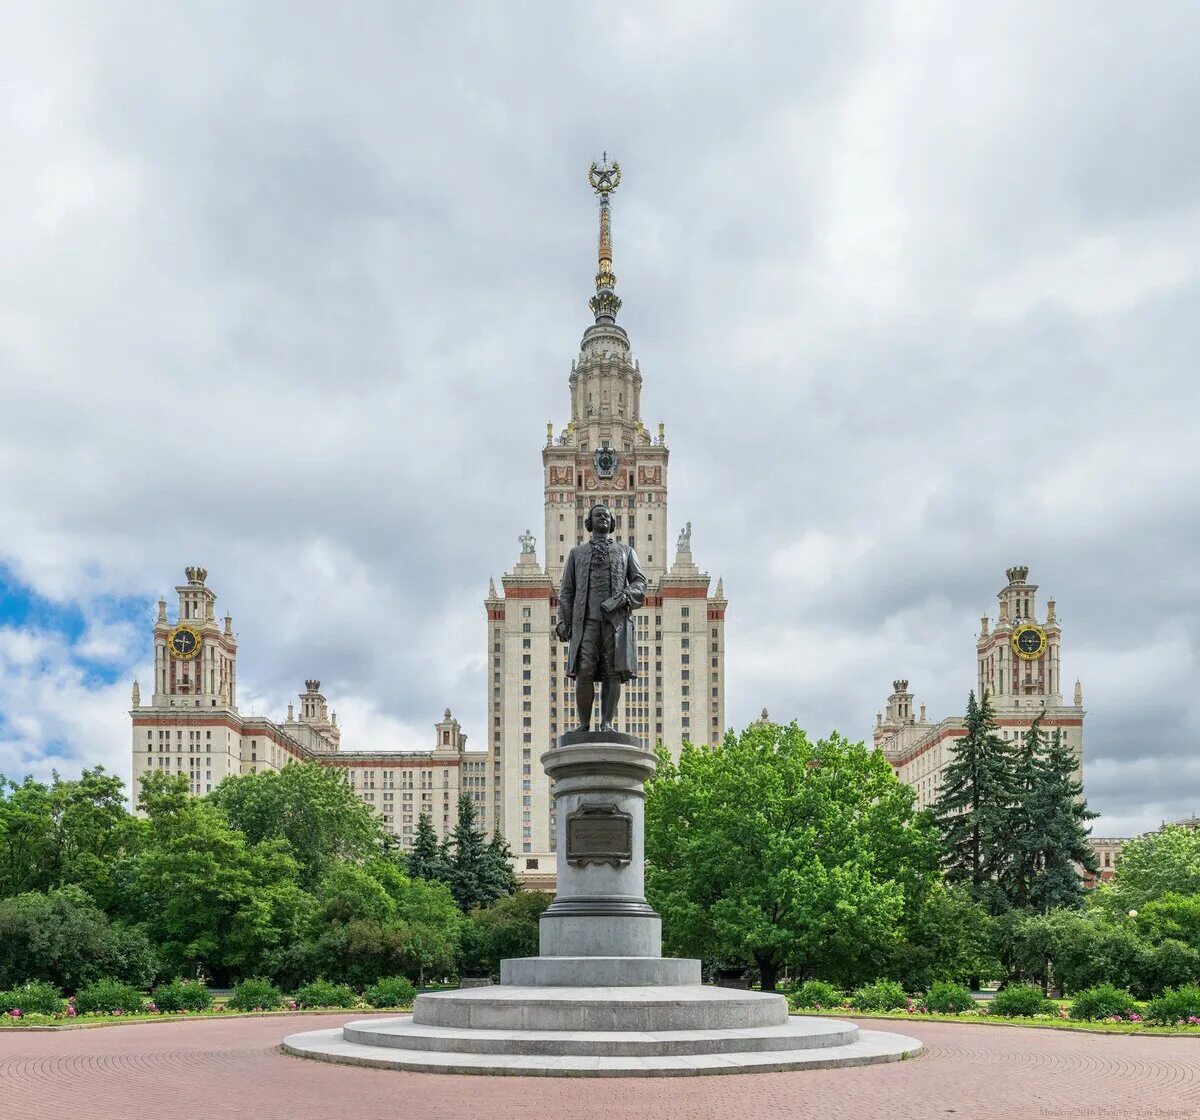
pixel 1029 641
pixel 184 643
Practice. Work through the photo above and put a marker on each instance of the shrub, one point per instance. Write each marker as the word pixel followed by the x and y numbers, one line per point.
pixel 182 995
pixel 321 993
pixel 256 995
pixel 815 993
pixel 1021 999
pixel 882 995
pixel 1175 1004
pixel 945 998
pixel 1102 1002
pixel 34 997
pixel 391 991
pixel 110 996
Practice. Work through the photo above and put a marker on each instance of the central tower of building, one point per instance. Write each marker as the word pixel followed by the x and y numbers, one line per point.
pixel 604 453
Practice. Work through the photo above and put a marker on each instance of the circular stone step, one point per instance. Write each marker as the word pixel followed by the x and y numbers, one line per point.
pixel 598 972
pixel 808 1033
pixel 870 1048
pixel 681 1007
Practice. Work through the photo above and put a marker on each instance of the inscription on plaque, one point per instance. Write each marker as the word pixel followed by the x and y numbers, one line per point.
pixel 599 834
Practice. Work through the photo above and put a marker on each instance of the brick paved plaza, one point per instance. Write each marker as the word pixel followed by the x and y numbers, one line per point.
pixel 214 1069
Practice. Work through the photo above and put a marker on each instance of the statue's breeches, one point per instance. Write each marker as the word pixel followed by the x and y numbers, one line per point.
pixel 597 651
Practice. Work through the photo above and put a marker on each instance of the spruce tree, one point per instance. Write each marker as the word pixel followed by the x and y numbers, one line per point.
pixel 1060 812
pixel 499 878
pixel 425 860
pixel 1025 827
pixel 1048 834
pixel 464 856
pixel 974 807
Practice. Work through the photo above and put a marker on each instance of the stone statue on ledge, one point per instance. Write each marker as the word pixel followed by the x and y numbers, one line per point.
pixel 602 585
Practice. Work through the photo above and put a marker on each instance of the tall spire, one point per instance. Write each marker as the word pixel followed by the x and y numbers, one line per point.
pixel 605 178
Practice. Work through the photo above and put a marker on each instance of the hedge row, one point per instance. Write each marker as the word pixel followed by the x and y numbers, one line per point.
pixel 111 997
pixel 1176 1006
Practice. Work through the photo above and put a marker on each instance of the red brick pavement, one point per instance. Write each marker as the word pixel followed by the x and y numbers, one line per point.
pixel 220 1069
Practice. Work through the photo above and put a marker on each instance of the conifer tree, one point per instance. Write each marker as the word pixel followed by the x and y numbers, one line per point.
pixel 1048 834
pixel 1025 828
pixel 499 878
pixel 472 864
pixel 974 807
pixel 425 860
pixel 1061 837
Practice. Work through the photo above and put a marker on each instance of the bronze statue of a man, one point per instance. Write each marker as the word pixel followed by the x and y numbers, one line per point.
pixel 601 585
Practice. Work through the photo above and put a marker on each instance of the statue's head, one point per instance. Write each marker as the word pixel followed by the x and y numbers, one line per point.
pixel 599 519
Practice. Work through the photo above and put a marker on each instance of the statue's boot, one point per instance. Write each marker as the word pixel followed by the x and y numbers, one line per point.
pixel 609 700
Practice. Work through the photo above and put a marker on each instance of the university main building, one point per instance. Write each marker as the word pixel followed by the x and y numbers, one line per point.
pixel 603 453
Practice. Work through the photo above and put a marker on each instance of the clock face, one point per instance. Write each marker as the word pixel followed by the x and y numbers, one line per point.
pixel 606 461
pixel 1029 642
pixel 184 643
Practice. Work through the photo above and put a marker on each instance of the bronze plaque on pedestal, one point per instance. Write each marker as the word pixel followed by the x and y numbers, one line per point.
pixel 599 834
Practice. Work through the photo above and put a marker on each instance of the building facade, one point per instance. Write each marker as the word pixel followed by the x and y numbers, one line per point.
pixel 1018 665
pixel 603 453
pixel 192 726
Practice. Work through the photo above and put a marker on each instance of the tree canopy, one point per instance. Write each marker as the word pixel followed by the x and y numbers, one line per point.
pixel 774 850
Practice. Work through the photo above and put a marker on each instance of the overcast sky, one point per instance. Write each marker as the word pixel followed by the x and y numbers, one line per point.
pixel 291 290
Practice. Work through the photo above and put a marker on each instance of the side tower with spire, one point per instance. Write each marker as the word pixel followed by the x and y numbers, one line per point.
pixel 603 453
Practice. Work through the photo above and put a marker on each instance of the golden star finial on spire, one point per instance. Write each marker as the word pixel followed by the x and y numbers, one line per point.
pixel 604 179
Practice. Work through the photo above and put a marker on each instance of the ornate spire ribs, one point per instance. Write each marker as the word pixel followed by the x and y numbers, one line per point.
pixel 605 178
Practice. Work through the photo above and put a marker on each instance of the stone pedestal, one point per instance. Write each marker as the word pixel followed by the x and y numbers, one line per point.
pixel 600 1000
pixel 600 909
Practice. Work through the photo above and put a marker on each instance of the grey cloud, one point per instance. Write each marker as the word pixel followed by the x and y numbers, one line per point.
pixel 295 295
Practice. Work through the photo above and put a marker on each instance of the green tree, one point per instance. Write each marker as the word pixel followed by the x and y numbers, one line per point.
pixel 500 880
pixel 1059 842
pixel 973 808
pixel 425 858
pixel 507 929
pixel 310 806
pixel 1154 865
pixel 471 866
pixel 1172 916
pixel 210 901
pixel 94 833
pixel 26 836
pixel 774 850
pixel 62 937
pixel 1048 836
pixel 950 937
pixel 375 921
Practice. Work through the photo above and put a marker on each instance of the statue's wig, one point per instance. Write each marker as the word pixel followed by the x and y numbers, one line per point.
pixel 587 522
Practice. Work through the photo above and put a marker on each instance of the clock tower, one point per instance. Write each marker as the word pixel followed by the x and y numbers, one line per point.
pixel 1018 664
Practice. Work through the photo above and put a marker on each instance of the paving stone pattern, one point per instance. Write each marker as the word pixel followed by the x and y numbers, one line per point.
pixel 224 1069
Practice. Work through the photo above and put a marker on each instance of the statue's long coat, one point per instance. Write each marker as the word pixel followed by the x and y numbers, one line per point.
pixel 627 576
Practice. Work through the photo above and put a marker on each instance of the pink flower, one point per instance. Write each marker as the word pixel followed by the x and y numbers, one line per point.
pixel 152 1006
pixel 1193 1020
pixel 118 1011
pixel 71 1012
pixel 15 1012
